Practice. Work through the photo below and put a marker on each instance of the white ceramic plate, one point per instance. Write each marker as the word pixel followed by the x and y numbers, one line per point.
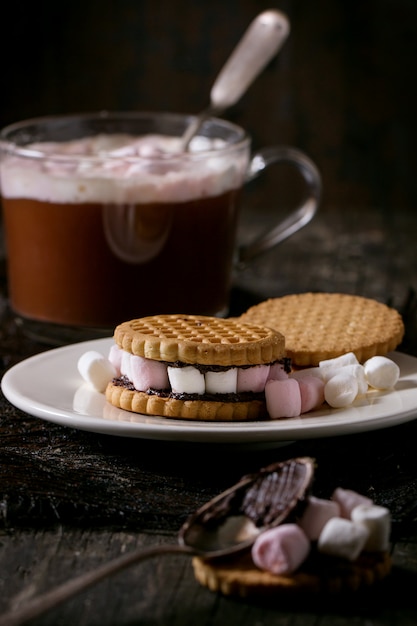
pixel 48 386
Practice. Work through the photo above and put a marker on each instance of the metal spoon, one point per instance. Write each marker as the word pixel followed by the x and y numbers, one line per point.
pixel 226 525
pixel 262 40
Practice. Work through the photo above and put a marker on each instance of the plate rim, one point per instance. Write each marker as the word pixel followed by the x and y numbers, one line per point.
pixel 260 432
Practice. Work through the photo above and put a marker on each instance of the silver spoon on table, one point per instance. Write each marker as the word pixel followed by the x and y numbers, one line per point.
pixel 259 44
pixel 226 525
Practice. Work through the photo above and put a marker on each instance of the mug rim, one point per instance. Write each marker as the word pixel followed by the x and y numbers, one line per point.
pixel 12 147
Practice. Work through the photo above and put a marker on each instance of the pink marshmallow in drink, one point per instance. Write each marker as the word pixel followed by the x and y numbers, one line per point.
pixel 148 374
pixel 348 500
pixel 312 393
pixel 316 514
pixel 252 378
pixel 283 398
pixel 281 550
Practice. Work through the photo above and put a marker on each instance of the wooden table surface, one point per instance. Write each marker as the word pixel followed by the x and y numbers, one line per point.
pixel 70 500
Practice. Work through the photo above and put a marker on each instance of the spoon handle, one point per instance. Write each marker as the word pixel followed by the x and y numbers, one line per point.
pixel 46 601
pixel 262 40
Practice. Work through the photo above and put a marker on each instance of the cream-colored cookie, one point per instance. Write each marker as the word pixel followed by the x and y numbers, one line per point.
pixel 319 326
pixel 239 577
pixel 206 410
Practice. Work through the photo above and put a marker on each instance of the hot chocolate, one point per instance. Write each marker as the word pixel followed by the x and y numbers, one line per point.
pixel 132 229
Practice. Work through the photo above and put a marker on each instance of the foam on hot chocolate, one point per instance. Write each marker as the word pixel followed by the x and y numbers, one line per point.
pixel 112 168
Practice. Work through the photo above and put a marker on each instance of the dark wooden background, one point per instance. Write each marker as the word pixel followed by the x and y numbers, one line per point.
pixel 343 88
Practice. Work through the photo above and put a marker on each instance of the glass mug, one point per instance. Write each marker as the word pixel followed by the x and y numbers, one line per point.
pixel 106 219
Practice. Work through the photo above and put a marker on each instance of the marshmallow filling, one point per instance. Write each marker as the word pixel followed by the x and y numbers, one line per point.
pixel 183 381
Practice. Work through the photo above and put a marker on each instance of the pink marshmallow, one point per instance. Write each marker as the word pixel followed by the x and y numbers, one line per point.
pixel 283 398
pixel 312 393
pixel 281 550
pixel 277 372
pixel 348 500
pixel 316 514
pixel 252 378
pixel 115 357
pixel 148 374
pixel 307 371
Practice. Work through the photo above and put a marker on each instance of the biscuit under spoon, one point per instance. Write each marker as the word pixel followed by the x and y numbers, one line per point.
pixel 259 44
pixel 225 525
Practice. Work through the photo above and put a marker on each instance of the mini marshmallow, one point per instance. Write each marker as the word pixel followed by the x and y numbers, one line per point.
pixel 252 378
pixel 317 372
pixel 316 514
pixel 222 382
pixel 348 499
pixel 349 358
pixel 283 398
pixel 281 550
pixel 125 365
pixel 354 369
pixel 277 372
pixel 377 520
pixel 381 372
pixel 341 537
pixel 148 374
pixel 312 393
pixel 186 380
pixel 115 357
pixel 341 390
pixel 96 369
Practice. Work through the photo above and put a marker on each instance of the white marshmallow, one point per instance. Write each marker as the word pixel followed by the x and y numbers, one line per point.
pixel 96 369
pixel 186 380
pixel 341 390
pixel 341 537
pixel 316 514
pixel 221 382
pixel 349 358
pixel 381 372
pixel 377 520
pixel 354 369
pixel 348 499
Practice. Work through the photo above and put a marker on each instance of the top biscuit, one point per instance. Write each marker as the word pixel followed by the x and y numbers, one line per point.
pixel 201 340
pixel 319 326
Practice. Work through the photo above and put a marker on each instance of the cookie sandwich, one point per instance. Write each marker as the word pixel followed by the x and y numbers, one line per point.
pixel 322 326
pixel 194 367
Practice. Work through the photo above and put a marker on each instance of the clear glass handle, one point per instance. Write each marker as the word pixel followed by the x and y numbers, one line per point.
pixel 301 215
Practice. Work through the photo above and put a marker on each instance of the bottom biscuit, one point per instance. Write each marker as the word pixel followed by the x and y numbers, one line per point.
pixel 239 577
pixel 205 410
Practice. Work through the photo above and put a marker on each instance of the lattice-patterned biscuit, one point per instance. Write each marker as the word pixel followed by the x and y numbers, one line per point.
pixel 319 326
pixel 206 410
pixel 200 340
pixel 241 578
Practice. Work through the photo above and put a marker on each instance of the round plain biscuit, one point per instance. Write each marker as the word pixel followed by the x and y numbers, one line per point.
pixel 204 410
pixel 200 340
pixel 320 326
pixel 239 577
